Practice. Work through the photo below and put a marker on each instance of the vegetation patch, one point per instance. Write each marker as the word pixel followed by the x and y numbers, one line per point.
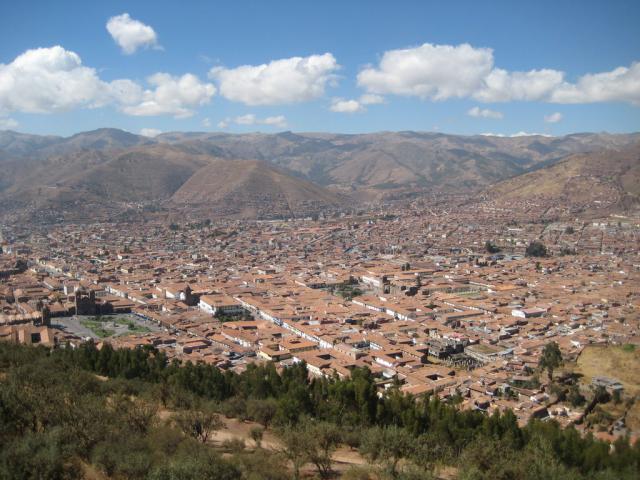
pixel 98 328
pixel 153 419
pixel 619 362
pixel 104 327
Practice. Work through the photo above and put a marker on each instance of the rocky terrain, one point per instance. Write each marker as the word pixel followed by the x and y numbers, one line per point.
pixel 610 177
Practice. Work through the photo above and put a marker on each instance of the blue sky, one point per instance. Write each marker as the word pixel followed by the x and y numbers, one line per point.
pixel 356 66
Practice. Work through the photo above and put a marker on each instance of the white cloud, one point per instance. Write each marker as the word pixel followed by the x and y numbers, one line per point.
pixel 345 106
pixel 285 81
pixel 429 71
pixel 222 124
pixel 175 96
pixel 122 92
pixel 206 123
pixel 440 72
pixel 150 132
pixel 46 80
pixel 341 105
pixel 503 86
pixel 553 118
pixel 250 119
pixel 131 34
pixel 484 113
pixel 49 80
pixel 619 85
pixel 527 134
pixel 277 121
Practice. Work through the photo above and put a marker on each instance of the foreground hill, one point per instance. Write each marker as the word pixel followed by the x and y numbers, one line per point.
pixel 252 188
pixel 608 177
pixel 84 413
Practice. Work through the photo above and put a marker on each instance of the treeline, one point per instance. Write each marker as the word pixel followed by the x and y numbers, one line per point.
pixel 57 417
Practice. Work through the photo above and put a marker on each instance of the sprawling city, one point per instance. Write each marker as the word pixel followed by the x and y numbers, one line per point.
pixel 268 304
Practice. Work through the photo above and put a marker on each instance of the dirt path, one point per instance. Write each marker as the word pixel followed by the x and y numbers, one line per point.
pixel 235 429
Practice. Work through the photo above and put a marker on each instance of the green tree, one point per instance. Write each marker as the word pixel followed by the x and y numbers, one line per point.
pixel 38 457
pixel 387 446
pixel 490 247
pixel 262 411
pixel 196 464
pixel 138 414
pixel 322 440
pixel 199 424
pixel 575 397
pixel 536 249
pixel 550 359
pixel 294 447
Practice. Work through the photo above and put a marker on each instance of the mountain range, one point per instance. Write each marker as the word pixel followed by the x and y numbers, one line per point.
pixel 286 173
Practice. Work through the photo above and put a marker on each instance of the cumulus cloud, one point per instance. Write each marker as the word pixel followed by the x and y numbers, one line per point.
pixel 341 105
pixel 440 72
pixel 285 81
pixel 49 80
pixel 345 106
pixel 150 132
pixel 553 118
pixel 206 123
pixel 278 121
pixel 429 71
pixel 503 86
pixel 619 85
pixel 484 113
pixel 131 34
pixel 171 95
pixel 53 79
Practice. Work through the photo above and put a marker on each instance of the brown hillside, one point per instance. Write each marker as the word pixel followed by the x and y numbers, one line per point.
pixel 250 188
pixel 152 172
pixel 609 176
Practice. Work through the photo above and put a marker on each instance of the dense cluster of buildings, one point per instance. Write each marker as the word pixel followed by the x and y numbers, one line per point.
pixel 412 294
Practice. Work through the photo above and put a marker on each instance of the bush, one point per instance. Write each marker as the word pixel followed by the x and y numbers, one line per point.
pixel 491 247
pixel 575 397
pixel 210 468
pixel 536 249
pixel 199 424
pixel 37 456
pixel 256 435
pixel 234 445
